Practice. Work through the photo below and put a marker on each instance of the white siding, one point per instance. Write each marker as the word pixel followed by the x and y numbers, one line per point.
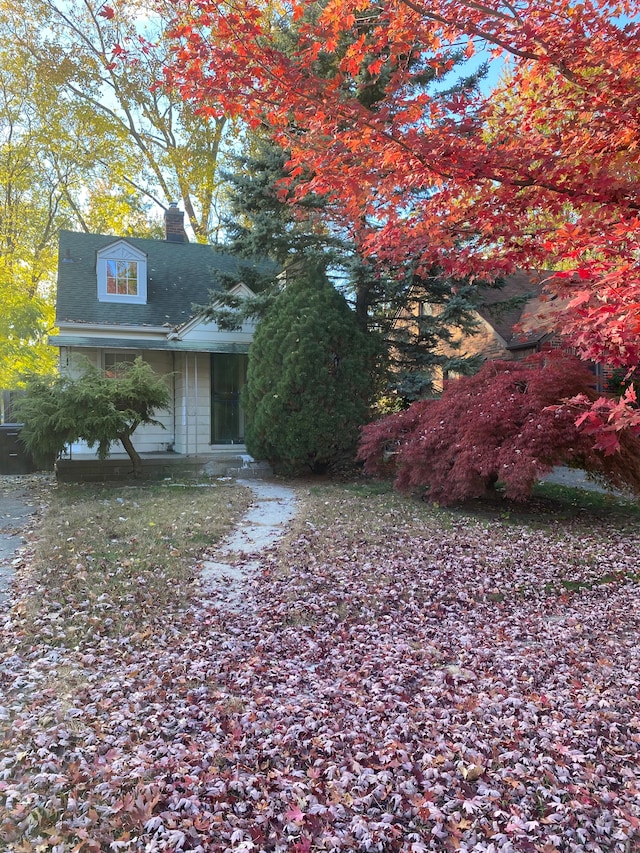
pixel 74 361
pixel 151 439
pixel 188 422
pixel 193 403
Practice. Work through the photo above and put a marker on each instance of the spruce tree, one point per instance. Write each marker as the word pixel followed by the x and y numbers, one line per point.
pixel 260 220
pixel 309 384
pixel 263 222
pixel 274 236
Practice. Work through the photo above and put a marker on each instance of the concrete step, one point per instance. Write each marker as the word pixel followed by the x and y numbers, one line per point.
pixel 237 465
pixel 252 471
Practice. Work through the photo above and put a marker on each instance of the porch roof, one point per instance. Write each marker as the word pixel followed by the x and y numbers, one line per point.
pixel 146 344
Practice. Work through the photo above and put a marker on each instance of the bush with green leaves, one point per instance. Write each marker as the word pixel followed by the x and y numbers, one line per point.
pixel 310 379
pixel 98 409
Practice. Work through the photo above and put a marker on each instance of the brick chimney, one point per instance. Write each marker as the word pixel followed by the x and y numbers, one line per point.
pixel 174 225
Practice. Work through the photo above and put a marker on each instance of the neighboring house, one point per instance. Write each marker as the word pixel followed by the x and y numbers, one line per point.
pixel 123 297
pixel 513 321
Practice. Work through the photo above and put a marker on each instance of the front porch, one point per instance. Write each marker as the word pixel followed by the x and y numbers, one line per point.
pixel 228 462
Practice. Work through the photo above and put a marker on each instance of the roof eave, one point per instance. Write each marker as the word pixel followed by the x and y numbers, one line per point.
pixel 73 326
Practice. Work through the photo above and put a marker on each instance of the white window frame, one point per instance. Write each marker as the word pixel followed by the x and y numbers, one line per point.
pixel 120 357
pixel 122 251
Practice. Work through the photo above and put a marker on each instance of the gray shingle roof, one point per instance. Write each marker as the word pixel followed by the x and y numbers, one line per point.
pixel 179 277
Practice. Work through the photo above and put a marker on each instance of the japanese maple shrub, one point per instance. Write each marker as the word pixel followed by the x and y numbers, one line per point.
pixel 508 423
pixel 310 379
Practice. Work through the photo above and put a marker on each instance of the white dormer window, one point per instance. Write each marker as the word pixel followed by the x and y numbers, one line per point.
pixel 122 274
pixel 122 278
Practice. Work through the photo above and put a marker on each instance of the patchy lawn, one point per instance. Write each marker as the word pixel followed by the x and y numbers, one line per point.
pixel 400 678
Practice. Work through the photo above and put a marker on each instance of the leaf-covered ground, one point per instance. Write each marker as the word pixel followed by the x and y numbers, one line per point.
pixel 397 678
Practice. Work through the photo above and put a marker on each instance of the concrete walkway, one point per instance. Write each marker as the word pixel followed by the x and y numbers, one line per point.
pixel 239 556
pixel 578 479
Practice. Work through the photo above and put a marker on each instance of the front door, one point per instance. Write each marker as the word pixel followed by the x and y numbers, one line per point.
pixel 228 376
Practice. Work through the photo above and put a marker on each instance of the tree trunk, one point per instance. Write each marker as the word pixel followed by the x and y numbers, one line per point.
pixel 136 461
pixel 490 483
pixel 362 288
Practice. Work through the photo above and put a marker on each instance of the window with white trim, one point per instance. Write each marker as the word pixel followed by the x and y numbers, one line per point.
pixel 122 277
pixel 122 274
pixel 115 364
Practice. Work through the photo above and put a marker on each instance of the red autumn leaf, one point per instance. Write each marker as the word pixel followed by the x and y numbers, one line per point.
pixel 580 298
pixel 294 814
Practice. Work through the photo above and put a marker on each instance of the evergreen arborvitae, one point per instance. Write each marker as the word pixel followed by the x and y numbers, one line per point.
pixel 309 383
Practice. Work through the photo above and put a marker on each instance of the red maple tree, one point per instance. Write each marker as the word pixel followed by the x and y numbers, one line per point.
pixel 509 423
pixel 540 173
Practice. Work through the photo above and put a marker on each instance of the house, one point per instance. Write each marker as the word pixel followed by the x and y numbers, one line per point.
pixel 123 297
pixel 513 321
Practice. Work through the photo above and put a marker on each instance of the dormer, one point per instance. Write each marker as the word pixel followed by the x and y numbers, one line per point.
pixel 122 274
